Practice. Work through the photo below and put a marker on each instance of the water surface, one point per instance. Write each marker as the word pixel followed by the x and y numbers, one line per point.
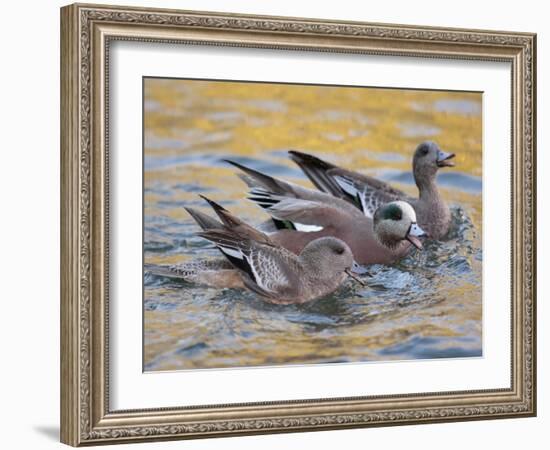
pixel 426 306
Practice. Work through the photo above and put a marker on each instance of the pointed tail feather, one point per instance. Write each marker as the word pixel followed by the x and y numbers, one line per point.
pixel 265 190
pixel 225 216
pixel 203 220
pixel 235 225
pixel 253 178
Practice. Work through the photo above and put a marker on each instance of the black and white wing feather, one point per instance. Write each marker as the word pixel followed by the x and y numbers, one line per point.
pixel 266 269
pixel 364 192
pixel 364 195
pixel 296 207
pixel 317 171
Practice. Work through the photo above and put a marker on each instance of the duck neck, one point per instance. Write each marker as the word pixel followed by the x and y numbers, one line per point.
pixel 309 263
pixel 315 268
pixel 386 239
pixel 427 187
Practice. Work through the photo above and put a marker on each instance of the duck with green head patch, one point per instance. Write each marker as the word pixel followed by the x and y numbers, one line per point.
pixel 395 222
pixel 313 214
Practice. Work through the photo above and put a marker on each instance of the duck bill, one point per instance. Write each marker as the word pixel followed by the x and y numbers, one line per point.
pixel 444 159
pixel 415 232
pixel 415 241
pixel 351 275
pixel 358 269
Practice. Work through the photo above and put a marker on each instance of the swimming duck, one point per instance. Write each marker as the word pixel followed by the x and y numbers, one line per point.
pixel 269 270
pixel 302 215
pixel 368 193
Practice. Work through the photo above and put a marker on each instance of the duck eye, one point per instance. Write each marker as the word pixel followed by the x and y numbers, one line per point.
pixel 424 151
pixel 339 250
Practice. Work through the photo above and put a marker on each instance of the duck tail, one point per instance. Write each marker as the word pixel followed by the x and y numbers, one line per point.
pixel 253 179
pixel 235 225
pixel 228 219
pixel 203 220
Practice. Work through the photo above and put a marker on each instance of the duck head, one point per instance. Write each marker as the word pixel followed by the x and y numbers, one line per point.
pixel 428 158
pixel 328 257
pixel 328 254
pixel 395 222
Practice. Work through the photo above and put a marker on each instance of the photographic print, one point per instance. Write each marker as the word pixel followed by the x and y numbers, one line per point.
pixel 254 201
pixel 294 224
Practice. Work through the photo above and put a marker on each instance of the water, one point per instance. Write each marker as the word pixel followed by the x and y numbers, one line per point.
pixel 426 306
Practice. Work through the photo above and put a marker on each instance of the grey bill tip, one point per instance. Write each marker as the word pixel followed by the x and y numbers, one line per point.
pixel 351 275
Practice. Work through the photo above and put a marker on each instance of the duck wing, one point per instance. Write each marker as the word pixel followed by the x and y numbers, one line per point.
pixel 254 178
pixel 301 215
pixel 317 171
pixel 364 192
pixel 267 270
pixel 295 207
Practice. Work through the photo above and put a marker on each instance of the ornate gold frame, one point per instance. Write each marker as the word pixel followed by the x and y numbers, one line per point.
pixel 86 31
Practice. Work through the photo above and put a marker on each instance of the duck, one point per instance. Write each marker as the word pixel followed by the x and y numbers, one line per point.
pixel 301 215
pixel 257 263
pixel 368 193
